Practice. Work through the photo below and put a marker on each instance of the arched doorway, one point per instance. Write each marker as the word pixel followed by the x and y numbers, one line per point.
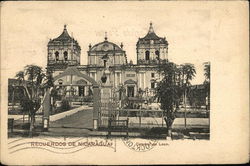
pixel 147 54
pixel 82 88
pixel 131 87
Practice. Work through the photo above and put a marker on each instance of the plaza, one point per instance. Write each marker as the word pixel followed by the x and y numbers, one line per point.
pixel 110 92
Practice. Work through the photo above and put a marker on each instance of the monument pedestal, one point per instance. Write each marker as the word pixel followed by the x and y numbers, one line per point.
pixel 46 109
pixel 106 98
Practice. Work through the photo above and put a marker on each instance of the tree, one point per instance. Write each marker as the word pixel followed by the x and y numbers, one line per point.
pixel 207 71
pixel 207 81
pixel 167 92
pixel 35 76
pixel 31 104
pixel 170 89
pixel 188 72
pixel 20 77
pixel 48 80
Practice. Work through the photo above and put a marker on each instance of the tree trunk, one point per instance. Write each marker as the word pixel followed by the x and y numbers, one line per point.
pixel 169 121
pixel 32 121
pixel 23 116
pixel 185 113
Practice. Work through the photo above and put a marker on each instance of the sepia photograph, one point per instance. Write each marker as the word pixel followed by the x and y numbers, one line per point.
pixel 115 75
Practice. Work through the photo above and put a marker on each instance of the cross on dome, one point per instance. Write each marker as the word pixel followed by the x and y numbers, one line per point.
pixel 151 30
pixel 106 38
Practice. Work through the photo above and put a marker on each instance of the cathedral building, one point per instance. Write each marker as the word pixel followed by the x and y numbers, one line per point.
pixel 110 60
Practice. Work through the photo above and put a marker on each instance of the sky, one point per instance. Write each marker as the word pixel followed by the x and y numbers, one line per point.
pixel 28 26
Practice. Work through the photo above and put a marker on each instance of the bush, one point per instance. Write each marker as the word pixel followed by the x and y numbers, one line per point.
pixel 25 126
pixel 88 98
pixel 132 114
pixel 158 130
pixel 155 132
pixel 65 105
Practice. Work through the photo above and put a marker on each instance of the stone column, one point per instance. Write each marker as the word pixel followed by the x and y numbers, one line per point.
pixel 96 107
pixel 46 110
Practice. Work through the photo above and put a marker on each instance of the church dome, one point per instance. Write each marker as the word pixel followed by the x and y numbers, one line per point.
pixel 106 54
pixel 105 46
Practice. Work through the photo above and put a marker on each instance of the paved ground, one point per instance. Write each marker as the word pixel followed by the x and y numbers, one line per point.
pixel 80 124
pixel 82 119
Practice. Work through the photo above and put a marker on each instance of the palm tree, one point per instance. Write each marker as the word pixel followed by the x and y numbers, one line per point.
pixel 35 76
pixel 207 81
pixel 188 72
pixel 179 74
pixel 207 71
pixel 20 77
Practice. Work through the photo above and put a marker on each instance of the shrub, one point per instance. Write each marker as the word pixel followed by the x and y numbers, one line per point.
pixel 65 105
pixel 158 130
pixel 88 99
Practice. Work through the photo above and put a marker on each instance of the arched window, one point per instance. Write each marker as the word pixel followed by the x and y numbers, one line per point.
pixel 65 55
pixel 60 82
pixel 157 53
pixel 147 55
pixel 105 63
pixel 152 85
pixel 57 55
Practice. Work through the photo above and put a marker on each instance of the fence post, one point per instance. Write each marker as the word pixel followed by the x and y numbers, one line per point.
pixel 109 127
pixel 140 118
pixel 96 107
pixel 162 118
pixel 127 126
pixel 185 113
pixel 46 109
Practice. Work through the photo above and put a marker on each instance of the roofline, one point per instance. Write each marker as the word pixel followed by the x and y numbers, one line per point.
pixel 106 42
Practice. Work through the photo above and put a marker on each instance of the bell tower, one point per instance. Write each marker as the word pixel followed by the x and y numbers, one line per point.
pixel 151 49
pixel 63 51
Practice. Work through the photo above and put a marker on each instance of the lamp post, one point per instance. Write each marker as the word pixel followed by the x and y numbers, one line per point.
pixel 140 95
pixel 70 91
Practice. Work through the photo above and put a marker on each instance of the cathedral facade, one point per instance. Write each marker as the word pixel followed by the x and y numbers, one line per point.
pixel 109 60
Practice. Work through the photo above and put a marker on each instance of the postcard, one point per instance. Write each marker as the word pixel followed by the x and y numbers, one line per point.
pixel 124 82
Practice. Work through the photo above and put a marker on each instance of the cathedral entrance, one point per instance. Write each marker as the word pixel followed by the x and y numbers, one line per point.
pixel 131 90
pixel 131 86
pixel 81 90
